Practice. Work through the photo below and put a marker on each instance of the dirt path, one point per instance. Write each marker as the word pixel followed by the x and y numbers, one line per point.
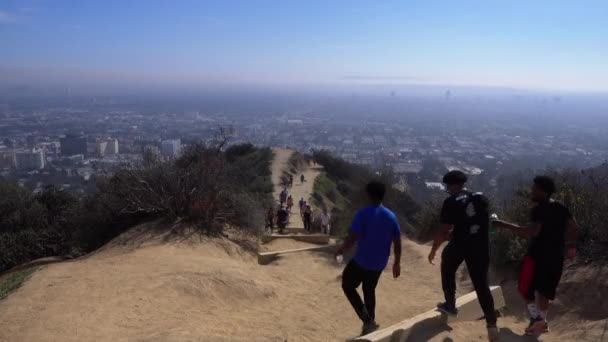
pixel 299 189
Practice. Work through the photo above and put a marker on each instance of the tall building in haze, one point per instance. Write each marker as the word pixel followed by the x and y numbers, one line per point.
pixel 107 147
pixel 171 149
pixel 30 160
pixel 73 144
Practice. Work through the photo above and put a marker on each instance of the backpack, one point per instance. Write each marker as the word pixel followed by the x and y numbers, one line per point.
pixel 477 210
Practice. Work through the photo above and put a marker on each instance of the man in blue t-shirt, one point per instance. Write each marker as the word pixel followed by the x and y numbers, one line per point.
pixel 374 228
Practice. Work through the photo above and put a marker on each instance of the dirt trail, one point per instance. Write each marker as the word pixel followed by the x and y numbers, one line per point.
pixel 299 189
pixel 147 289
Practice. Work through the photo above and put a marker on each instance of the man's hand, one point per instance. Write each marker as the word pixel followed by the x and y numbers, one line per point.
pixel 396 270
pixel 432 256
pixel 340 251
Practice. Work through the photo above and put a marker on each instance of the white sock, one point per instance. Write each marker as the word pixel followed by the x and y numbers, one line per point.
pixel 533 310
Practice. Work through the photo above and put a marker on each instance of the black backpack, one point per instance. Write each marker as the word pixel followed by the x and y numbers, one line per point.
pixel 477 209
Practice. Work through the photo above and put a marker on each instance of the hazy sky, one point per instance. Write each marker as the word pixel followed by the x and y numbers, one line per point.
pixel 548 44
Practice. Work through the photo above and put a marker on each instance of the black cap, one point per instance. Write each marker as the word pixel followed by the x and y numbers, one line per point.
pixel 455 177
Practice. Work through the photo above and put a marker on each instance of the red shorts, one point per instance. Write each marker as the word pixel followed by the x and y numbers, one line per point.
pixel 526 277
pixel 539 276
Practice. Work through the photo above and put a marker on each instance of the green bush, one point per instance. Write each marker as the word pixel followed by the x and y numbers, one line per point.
pixel 345 182
pixel 205 186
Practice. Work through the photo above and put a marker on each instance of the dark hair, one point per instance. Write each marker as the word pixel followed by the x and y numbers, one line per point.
pixel 545 183
pixel 454 177
pixel 375 190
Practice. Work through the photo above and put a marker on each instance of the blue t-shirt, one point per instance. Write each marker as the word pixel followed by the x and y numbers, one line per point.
pixel 376 227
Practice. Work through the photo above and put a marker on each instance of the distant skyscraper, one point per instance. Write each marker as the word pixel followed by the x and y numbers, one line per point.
pixel 448 94
pixel 171 148
pixel 73 144
pixel 112 147
pixel 7 160
pixel 30 160
pixel 107 147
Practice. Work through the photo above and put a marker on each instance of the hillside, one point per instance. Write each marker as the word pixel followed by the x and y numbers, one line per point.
pixel 172 286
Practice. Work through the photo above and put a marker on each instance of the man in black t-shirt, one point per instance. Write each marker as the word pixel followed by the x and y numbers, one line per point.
pixel 553 238
pixel 282 217
pixel 465 217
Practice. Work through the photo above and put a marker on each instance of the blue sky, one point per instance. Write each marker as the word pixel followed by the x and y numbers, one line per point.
pixel 547 44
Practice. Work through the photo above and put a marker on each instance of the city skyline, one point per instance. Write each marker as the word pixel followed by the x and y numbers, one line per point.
pixel 542 45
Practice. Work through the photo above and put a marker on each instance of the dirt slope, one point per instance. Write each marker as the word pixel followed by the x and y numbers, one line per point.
pixel 146 288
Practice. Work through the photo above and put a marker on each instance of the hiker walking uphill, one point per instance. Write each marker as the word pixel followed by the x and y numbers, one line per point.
pixel 302 179
pixel 374 228
pixel 282 218
pixel 307 218
pixel 283 196
pixel 289 204
pixel 553 232
pixel 302 205
pixel 465 217
pixel 270 219
pixel 325 217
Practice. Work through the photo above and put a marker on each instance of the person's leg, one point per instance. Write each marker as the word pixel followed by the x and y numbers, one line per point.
pixel 370 281
pixel 546 279
pixel 451 258
pixel 543 305
pixel 478 264
pixel 525 288
pixel 351 279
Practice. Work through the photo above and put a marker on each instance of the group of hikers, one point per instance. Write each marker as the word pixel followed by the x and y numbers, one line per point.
pixel 282 216
pixel 465 222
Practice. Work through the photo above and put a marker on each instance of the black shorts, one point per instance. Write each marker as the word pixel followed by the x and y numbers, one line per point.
pixel 540 276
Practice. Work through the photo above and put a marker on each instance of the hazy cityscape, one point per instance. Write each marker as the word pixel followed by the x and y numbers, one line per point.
pixel 75 139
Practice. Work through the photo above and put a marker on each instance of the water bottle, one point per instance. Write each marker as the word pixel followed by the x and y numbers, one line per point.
pixel 493 218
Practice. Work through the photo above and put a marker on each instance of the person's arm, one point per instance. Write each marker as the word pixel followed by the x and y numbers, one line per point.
pixel 348 243
pixel 449 211
pixel 526 232
pixel 355 231
pixel 441 236
pixel 397 251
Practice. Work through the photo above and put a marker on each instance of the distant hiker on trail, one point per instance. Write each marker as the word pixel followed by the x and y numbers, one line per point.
pixel 289 204
pixel 270 219
pixel 325 217
pixel 553 233
pixel 283 196
pixel 302 179
pixel 302 206
pixel 307 218
pixel 465 217
pixel 374 228
pixel 290 180
pixel 282 219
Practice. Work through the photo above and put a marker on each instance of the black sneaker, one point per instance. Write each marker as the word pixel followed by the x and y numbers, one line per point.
pixel 369 327
pixel 537 326
pixel 447 309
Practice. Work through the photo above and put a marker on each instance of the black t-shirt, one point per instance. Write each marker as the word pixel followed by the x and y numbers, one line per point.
pixel 282 215
pixel 470 226
pixel 553 218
